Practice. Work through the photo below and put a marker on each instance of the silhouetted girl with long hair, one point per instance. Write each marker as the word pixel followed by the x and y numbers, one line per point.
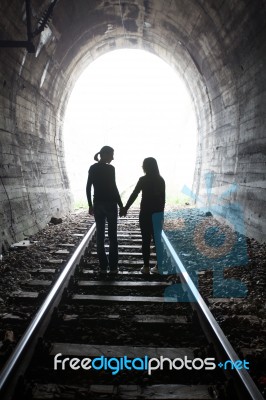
pixel 152 186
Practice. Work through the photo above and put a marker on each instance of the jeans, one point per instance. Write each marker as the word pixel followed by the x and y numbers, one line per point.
pixel 147 223
pixel 106 211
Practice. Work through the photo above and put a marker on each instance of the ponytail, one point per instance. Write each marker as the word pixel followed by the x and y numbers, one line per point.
pixel 96 156
pixel 104 150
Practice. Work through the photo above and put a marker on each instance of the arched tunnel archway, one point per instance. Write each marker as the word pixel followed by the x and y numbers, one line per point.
pixel 217 47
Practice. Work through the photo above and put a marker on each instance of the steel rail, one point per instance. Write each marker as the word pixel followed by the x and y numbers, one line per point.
pixel 14 364
pixel 246 380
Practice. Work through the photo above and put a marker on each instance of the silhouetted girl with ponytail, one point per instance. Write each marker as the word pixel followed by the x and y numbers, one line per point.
pixel 104 206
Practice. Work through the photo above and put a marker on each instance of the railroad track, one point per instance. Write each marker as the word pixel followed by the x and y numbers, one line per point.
pixel 124 336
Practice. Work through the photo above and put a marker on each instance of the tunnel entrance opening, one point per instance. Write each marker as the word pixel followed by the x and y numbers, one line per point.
pixel 135 102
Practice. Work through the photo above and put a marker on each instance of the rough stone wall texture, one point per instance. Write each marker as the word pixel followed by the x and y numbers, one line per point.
pixel 33 184
pixel 219 49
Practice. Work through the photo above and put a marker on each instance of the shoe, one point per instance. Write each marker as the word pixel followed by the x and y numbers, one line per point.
pixel 145 270
pixel 114 271
pixel 103 271
pixel 155 270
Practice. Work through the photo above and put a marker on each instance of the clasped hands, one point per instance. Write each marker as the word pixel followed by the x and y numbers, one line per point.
pixel 122 212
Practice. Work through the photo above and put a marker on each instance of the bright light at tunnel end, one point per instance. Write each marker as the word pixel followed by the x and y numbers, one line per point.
pixel 136 103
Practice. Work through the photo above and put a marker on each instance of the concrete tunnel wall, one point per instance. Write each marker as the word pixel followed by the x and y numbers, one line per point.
pixel 217 46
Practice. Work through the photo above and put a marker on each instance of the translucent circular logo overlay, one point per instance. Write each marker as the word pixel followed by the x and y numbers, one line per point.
pixel 214 239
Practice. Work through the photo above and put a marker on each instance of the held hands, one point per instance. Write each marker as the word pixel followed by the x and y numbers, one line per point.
pixel 122 212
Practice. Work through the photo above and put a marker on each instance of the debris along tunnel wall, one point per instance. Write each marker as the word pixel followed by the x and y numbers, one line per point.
pixel 219 49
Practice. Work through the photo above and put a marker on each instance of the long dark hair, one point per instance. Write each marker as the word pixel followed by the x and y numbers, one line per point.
pixel 104 150
pixel 150 167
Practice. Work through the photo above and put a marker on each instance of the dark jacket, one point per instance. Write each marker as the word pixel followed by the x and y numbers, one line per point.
pixel 102 177
pixel 153 194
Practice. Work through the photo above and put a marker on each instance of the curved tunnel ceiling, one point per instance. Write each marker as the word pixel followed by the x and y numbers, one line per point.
pixel 218 48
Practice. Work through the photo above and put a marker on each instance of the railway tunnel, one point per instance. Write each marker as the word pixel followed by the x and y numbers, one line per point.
pixel 217 47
